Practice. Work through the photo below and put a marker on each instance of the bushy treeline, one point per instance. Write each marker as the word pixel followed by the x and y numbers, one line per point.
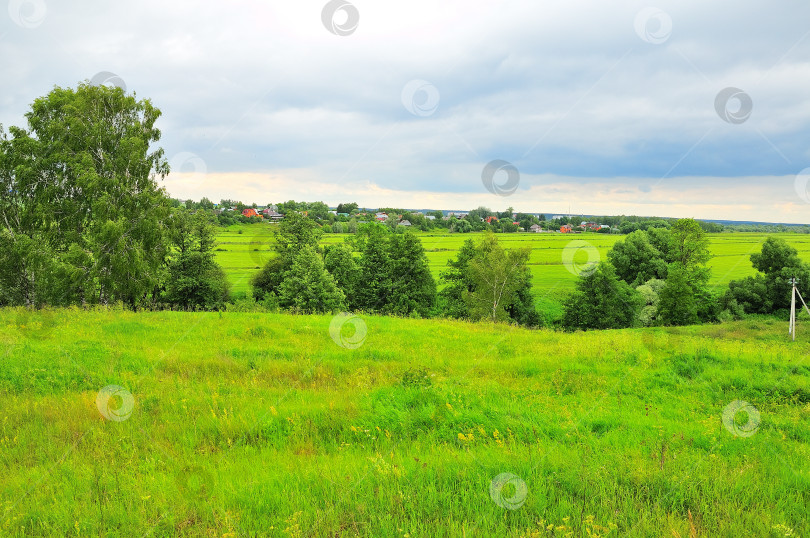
pixel 653 277
pixel 82 219
pixel 383 271
pixel 660 277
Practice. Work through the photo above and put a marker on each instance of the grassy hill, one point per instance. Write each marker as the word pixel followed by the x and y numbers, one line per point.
pixel 243 253
pixel 256 424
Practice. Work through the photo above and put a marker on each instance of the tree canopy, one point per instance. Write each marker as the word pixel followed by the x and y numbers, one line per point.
pixel 83 218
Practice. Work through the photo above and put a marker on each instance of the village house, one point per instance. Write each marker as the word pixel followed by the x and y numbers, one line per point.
pixel 272 214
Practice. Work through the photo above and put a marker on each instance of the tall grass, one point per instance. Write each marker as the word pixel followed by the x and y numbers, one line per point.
pixel 257 424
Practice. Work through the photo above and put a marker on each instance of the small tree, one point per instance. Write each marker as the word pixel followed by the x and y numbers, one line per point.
pixel 464 293
pixel 307 287
pixel 677 304
pixel 374 287
pixel 496 276
pixel 457 282
pixel 636 260
pixel 412 286
pixel 196 281
pixel 601 301
pixel 340 263
pixel 294 233
pixel 650 292
pixel 769 290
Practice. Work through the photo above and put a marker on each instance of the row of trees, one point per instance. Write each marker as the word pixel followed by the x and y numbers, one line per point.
pixel 379 271
pixel 660 277
pixel 389 275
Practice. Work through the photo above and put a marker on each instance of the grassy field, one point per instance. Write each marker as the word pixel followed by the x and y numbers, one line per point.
pixel 243 253
pixel 227 424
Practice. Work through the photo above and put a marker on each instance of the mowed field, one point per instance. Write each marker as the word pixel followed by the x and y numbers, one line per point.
pixel 243 253
pixel 115 423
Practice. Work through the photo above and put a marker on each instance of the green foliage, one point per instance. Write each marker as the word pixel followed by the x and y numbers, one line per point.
pixel 307 288
pixel 646 255
pixel 347 208
pixel 677 304
pixel 457 282
pixel 375 269
pixel 268 279
pixel 79 188
pixel 601 301
pixel 293 234
pixel 636 260
pixel 340 263
pixel 487 281
pixel 689 247
pixel 495 275
pixel 769 291
pixel 650 294
pixel 413 289
pixel 196 281
pixel 460 226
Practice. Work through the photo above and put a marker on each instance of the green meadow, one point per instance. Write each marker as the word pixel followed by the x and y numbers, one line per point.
pixel 241 254
pixel 237 424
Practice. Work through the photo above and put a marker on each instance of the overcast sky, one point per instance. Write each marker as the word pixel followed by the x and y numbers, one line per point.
pixel 600 107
